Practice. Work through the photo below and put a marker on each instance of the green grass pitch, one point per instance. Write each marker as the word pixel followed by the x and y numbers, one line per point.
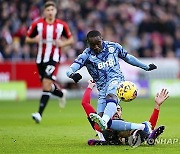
pixel 67 130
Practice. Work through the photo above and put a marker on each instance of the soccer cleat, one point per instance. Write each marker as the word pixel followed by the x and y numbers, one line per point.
pixel 62 100
pixel 155 133
pixel 148 127
pixel 96 142
pixel 36 117
pixel 97 119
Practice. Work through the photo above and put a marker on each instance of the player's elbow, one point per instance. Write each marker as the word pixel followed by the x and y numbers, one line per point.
pixel 128 58
pixel 26 40
pixel 71 40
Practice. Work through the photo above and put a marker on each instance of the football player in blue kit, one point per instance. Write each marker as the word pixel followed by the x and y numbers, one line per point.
pixel 101 59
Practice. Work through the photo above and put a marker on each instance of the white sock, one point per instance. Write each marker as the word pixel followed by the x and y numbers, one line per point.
pixel 109 111
pixel 106 118
pixel 100 135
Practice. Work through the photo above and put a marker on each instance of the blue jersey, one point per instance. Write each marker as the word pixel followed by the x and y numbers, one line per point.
pixel 105 66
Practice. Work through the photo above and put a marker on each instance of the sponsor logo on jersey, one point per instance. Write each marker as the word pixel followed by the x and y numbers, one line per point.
pixel 108 63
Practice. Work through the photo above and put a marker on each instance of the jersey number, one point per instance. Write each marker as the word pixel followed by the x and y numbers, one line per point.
pixel 50 69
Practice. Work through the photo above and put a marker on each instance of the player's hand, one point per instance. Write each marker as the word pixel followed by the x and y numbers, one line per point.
pixel 37 39
pixel 76 77
pixel 161 97
pixel 91 84
pixel 152 67
pixel 59 43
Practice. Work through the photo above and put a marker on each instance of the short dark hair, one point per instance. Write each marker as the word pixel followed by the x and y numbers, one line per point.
pixel 49 3
pixel 93 33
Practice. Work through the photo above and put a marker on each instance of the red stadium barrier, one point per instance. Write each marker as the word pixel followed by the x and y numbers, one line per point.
pixel 18 71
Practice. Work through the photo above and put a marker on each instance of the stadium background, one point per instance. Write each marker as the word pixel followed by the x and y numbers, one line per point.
pixel 148 29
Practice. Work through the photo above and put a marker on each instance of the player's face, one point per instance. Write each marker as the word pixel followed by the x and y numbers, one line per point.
pixel 118 113
pixel 50 12
pixel 95 44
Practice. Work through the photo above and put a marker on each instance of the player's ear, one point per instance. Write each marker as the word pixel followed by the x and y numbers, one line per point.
pixel 101 38
pixel 87 42
pixel 55 10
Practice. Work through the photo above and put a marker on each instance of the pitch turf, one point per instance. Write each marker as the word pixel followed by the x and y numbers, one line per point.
pixel 67 130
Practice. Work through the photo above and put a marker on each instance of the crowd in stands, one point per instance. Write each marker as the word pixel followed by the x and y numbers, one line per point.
pixel 145 28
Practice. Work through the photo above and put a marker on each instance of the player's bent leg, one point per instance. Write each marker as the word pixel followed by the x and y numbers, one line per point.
pixel 109 110
pixel 120 125
pixel 43 102
pixel 46 83
pixel 140 136
pixel 61 94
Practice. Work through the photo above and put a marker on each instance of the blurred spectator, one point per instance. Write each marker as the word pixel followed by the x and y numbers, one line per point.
pixel 177 42
pixel 145 28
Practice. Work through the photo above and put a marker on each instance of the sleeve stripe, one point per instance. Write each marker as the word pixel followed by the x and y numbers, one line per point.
pixel 78 63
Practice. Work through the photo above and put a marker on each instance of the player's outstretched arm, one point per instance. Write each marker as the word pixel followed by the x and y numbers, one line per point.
pixel 130 59
pixel 160 98
pixel 88 108
pixel 77 65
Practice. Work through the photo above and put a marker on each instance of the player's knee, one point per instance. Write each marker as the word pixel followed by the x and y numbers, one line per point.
pixel 47 88
pixel 111 101
pixel 112 97
pixel 46 84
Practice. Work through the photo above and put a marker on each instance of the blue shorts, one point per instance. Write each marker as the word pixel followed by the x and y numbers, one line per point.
pixel 110 88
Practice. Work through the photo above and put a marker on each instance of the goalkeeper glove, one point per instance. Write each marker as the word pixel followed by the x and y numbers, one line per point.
pixel 76 77
pixel 152 67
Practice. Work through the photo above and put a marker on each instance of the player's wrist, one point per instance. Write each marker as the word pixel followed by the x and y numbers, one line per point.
pixel 157 106
pixel 90 87
pixel 76 77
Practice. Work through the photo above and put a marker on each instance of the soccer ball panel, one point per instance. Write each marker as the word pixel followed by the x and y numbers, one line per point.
pixel 127 91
